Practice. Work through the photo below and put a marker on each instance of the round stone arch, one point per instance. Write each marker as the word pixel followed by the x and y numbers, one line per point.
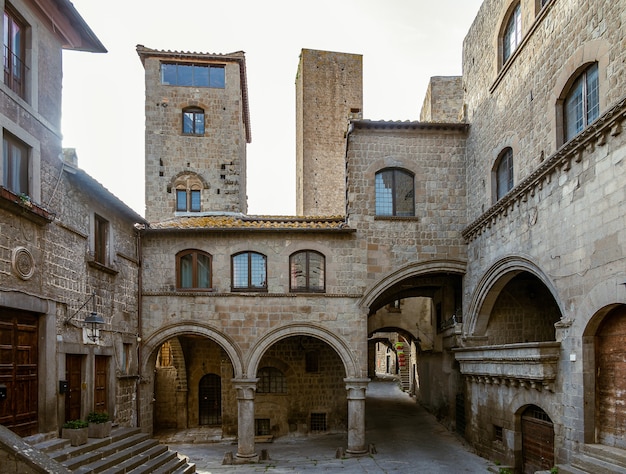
pixel 457 267
pixel 339 345
pixel 492 283
pixel 155 340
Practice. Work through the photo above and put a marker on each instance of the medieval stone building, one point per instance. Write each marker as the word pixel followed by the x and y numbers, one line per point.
pixel 477 252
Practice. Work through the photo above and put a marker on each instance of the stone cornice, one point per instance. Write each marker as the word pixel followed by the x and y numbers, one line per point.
pixel 570 154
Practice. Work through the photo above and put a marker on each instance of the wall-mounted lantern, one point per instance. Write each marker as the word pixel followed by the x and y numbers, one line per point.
pixel 93 321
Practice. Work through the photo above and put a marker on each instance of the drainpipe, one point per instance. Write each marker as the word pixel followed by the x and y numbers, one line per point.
pixel 139 325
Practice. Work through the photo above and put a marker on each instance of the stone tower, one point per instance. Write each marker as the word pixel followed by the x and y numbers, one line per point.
pixel 197 128
pixel 329 93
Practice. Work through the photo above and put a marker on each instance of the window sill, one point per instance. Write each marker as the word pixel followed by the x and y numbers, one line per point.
pixel 396 218
pixel 102 267
pixel 249 290
pixel 23 206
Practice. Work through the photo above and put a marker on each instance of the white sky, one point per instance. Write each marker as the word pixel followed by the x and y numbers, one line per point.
pixel 403 43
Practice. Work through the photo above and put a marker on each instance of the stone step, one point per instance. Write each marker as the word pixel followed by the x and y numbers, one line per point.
pixel 188 468
pixel 125 459
pixel 74 457
pixel 595 465
pixel 606 453
pixel 569 469
pixel 155 463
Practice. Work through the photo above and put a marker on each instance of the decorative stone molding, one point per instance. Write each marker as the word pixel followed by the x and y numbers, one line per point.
pixel 23 263
pixel 529 365
pixel 571 154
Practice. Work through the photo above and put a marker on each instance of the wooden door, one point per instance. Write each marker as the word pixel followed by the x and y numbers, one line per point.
pixel 611 379
pixel 74 376
pixel 100 385
pixel 18 371
pixel 210 400
pixel 537 440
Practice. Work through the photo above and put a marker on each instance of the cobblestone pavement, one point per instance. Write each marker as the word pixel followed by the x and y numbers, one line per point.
pixel 405 438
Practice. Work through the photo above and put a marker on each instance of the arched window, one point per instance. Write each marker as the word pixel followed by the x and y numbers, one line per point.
pixel 271 380
pixel 395 193
pixel 582 103
pixel 307 271
pixel 512 36
pixel 504 173
pixel 188 189
pixel 249 272
pixel 193 121
pixel 193 270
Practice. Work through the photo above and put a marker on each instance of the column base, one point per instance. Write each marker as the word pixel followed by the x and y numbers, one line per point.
pixel 248 459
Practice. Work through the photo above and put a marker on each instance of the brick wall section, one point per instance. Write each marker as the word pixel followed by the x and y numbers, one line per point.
pixel 444 100
pixel 329 92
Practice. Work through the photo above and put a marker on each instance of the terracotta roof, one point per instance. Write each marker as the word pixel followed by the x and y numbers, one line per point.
pixel 231 223
pixel 405 125
pixel 237 56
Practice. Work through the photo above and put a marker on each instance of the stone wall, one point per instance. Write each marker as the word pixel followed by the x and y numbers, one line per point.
pixel 444 100
pixel 329 93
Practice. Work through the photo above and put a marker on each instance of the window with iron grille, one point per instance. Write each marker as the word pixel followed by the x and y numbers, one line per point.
pixel 249 272
pixel 14 52
pixel 395 193
pixel 582 103
pixel 307 272
pixel 318 422
pixel 271 380
pixel 497 433
pixel 512 34
pixel 262 427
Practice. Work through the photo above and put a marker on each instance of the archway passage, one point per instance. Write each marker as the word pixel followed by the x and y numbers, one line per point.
pixel 193 386
pixel 611 379
pixel 300 389
pixel 537 440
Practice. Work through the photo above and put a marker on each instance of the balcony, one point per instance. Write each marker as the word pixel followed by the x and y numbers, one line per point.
pixel 530 365
pixel 22 205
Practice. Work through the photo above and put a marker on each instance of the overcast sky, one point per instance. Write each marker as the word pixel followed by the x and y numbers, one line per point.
pixel 403 43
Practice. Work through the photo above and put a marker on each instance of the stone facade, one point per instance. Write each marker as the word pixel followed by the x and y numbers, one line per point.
pixel 329 93
pixel 443 102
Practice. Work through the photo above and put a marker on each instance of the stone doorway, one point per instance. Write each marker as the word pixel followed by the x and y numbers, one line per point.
pixel 210 400
pixel 611 379
pixel 537 440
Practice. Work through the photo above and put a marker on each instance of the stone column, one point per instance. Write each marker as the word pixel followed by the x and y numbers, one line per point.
pixel 356 415
pixel 246 389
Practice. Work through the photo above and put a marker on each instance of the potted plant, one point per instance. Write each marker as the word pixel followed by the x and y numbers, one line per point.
pixel 76 431
pixel 99 424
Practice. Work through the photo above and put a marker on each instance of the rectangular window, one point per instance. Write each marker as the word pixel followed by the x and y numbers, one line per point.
pixel 318 422
pixel 262 427
pixel 101 237
pixel 126 358
pixel 194 75
pixel 14 53
pixel 14 164
pixel 181 200
pixel 497 433
pixel 195 200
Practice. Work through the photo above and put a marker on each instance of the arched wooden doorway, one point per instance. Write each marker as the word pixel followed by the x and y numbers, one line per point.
pixel 611 379
pixel 210 400
pixel 537 440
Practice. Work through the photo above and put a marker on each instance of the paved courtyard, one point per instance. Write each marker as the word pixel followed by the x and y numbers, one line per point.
pixel 406 439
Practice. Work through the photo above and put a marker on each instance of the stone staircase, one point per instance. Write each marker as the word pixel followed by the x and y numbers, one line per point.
pixel 127 450
pixel 596 459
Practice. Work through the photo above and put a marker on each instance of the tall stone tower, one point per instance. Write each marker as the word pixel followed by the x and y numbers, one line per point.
pixel 329 92
pixel 197 129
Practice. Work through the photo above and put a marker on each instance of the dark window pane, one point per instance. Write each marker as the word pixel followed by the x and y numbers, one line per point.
pixel 186 271
pixel 15 165
pixel 593 94
pixel 316 271
pixel 217 77
pixel 204 271
pixel 195 200
pixel 404 194
pixel 582 104
pixel 257 271
pixel 395 193
pixel 298 271
pixel 505 174
pixel 181 200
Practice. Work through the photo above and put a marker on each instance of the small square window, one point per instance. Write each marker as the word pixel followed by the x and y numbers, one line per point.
pixel 262 427
pixel 318 422
pixel 497 433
